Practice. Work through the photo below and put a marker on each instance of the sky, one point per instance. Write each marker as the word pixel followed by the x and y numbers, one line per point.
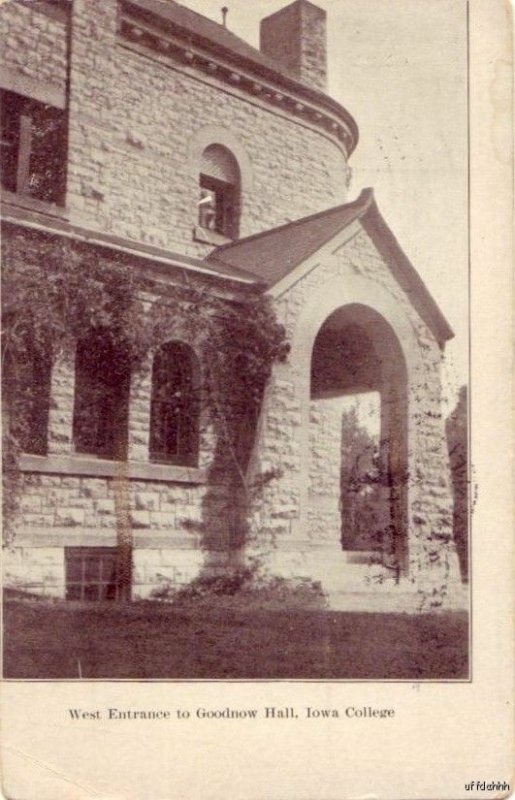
pixel 400 68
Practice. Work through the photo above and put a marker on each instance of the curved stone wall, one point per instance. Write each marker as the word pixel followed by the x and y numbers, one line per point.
pixel 134 119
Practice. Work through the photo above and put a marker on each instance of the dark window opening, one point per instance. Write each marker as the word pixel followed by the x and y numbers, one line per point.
pixel 174 406
pixel 26 395
pixel 92 573
pixel 217 206
pixel 33 148
pixel 220 185
pixel 101 408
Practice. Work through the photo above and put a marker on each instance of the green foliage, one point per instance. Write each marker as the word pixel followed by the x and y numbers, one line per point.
pixel 244 588
pixel 56 291
pixel 364 489
pixel 226 584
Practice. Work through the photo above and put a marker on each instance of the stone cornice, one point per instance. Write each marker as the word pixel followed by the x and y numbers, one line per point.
pixel 274 88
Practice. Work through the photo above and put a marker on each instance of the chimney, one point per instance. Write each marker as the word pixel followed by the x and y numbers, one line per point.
pixel 295 37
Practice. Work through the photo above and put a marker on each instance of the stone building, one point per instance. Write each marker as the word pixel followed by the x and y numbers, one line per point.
pixel 142 131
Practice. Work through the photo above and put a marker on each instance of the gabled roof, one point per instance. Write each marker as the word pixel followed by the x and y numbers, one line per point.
pixel 273 254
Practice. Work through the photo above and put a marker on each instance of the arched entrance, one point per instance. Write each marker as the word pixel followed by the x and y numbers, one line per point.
pixel 357 485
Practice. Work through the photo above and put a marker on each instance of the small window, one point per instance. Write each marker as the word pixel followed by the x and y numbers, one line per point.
pixel 92 573
pixel 174 412
pixel 101 407
pixel 219 199
pixel 216 206
pixel 33 148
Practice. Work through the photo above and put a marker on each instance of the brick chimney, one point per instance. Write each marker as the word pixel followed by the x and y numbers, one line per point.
pixel 295 37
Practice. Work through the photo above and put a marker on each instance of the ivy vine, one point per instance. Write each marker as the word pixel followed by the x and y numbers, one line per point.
pixel 56 290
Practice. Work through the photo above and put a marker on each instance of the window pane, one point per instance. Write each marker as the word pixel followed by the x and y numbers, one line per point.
pixel 91 591
pixel 174 407
pixel 11 107
pixel 91 567
pixel 73 569
pixel 48 154
pixel 101 407
pixel 108 567
pixel 33 136
pixel 207 209
pixel 73 592
pixel 91 573
pixel 26 392
pixel 218 206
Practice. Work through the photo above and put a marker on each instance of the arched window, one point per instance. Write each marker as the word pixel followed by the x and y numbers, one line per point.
pixel 101 406
pixel 219 200
pixel 174 415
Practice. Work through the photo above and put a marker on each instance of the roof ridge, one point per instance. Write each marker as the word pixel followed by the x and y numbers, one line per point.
pixel 272 63
pixel 364 199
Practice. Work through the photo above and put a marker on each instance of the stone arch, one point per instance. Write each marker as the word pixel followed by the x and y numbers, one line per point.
pixel 356 354
pixel 364 303
pixel 217 134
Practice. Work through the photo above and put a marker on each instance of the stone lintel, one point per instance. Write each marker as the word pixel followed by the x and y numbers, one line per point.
pixel 102 537
pixel 43 91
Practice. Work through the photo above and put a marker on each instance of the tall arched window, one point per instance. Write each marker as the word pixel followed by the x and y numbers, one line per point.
pixel 101 406
pixel 174 416
pixel 26 378
pixel 219 200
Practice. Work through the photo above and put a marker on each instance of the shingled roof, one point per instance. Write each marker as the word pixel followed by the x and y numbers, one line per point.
pixel 196 29
pixel 274 253
pixel 195 26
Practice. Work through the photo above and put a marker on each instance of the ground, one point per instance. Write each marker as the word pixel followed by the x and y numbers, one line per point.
pixel 207 640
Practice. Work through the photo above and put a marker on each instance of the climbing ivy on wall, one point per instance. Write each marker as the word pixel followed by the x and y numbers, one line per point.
pixel 55 290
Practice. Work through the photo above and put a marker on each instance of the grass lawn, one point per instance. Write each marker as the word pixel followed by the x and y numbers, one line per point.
pixel 153 640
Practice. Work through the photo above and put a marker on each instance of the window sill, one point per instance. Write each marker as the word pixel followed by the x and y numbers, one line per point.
pixel 29 203
pixel 99 467
pixel 210 237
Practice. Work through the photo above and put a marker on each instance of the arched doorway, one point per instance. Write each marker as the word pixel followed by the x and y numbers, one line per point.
pixel 358 430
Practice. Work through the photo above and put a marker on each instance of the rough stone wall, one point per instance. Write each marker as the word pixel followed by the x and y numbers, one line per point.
pixel 429 495
pixel 278 453
pixel 67 502
pixel 57 511
pixel 131 125
pixel 33 43
pixel 325 440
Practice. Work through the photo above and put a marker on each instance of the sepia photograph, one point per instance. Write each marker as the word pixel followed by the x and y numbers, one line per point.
pixel 235 340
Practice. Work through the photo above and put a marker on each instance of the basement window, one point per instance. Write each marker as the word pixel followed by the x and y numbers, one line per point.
pixel 174 415
pixel 33 144
pixel 101 406
pixel 91 573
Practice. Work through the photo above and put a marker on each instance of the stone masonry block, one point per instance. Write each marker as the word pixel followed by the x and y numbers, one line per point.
pixel 139 519
pixel 69 517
